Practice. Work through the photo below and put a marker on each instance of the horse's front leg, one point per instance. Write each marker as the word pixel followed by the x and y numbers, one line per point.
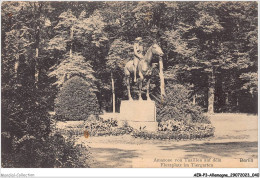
pixel 128 88
pixel 147 89
pixel 141 78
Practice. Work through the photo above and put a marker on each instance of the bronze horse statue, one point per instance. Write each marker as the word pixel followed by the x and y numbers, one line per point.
pixel 144 69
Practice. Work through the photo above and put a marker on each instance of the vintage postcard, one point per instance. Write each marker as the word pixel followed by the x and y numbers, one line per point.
pixel 129 84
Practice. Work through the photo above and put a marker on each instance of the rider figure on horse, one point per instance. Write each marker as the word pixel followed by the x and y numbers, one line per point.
pixel 138 52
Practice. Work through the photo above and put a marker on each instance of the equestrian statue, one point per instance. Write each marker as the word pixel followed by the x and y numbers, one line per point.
pixel 142 65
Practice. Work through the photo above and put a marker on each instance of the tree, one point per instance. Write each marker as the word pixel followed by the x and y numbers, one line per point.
pixel 19 76
pixel 208 45
pixel 71 66
pixel 26 122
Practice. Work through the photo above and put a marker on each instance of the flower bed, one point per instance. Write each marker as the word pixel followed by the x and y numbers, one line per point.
pixel 101 127
pixel 170 129
pixel 162 135
pixel 178 131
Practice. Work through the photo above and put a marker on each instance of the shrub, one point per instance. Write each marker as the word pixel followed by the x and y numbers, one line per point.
pixel 70 132
pixel 67 154
pixel 76 100
pixel 177 106
pixel 53 152
pixel 57 117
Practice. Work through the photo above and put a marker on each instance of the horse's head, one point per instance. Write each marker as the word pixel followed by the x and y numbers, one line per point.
pixel 157 50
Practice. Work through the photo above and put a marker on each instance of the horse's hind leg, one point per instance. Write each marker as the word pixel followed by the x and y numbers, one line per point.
pixel 147 89
pixel 135 62
pixel 128 87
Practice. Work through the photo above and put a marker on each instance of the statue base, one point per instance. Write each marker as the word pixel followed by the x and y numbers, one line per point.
pixel 139 114
pixel 138 110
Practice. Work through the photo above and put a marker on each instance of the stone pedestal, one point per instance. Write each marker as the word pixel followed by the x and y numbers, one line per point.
pixel 138 114
pixel 136 110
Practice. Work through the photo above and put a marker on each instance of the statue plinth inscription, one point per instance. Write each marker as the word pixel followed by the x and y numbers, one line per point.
pixel 139 114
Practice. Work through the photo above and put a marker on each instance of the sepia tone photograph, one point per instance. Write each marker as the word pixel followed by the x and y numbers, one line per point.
pixel 129 84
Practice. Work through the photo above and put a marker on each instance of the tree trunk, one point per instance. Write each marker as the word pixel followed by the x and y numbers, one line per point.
pixel 227 99
pixel 162 85
pixel 113 92
pixel 211 94
pixel 211 100
pixel 194 99
pixel 16 65
pixel 37 41
pixel 71 39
